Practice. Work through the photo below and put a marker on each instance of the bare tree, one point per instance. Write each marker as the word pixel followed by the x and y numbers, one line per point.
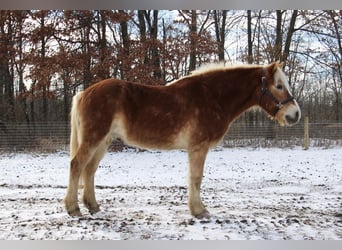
pixel 7 34
pixel 150 45
pixel 43 63
pixel 283 29
pixel 249 39
pixel 220 18
pixel 42 59
pixel 193 40
pixel 125 50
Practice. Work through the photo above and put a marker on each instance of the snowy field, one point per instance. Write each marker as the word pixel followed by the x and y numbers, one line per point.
pixel 251 194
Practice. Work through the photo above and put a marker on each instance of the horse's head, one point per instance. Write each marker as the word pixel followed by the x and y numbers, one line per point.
pixel 276 98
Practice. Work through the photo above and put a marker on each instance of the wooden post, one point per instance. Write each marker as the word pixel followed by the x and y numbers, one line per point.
pixel 306 133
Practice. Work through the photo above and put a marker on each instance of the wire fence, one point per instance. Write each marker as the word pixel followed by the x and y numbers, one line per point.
pixel 272 135
pixel 50 137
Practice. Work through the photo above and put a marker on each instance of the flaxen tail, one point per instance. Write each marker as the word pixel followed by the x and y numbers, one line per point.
pixel 75 133
pixel 75 126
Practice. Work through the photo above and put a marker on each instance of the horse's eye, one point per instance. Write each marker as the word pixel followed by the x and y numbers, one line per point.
pixel 279 86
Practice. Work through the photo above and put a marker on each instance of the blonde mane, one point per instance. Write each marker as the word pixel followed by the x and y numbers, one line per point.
pixel 213 67
pixel 210 67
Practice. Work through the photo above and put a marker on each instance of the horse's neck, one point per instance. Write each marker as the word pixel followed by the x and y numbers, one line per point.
pixel 238 95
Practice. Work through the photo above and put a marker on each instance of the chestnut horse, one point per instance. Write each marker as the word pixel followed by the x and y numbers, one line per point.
pixel 192 113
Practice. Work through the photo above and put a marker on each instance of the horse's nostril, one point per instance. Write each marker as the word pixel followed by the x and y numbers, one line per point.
pixel 297 115
pixel 292 119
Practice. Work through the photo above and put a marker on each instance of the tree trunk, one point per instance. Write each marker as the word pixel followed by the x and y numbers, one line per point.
pixel 338 67
pixel 142 29
pixel 279 37
pixel 290 32
pixel 104 65
pixel 220 32
pixel 193 40
pixel 21 15
pixel 44 78
pixel 6 79
pixel 125 50
pixel 155 47
pixel 249 37
pixel 86 25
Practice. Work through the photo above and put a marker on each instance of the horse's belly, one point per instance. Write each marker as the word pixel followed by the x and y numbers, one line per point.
pixel 150 139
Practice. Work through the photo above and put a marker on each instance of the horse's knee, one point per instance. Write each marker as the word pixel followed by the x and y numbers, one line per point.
pixel 196 180
pixel 75 168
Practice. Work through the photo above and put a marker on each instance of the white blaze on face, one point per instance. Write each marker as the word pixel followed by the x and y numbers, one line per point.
pixel 290 114
pixel 280 77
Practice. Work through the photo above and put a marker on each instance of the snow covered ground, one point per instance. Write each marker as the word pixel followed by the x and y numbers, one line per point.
pixel 251 193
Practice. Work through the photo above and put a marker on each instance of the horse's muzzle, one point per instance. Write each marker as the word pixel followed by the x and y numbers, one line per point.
pixel 292 119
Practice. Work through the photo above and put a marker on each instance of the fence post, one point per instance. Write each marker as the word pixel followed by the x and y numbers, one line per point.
pixel 306 133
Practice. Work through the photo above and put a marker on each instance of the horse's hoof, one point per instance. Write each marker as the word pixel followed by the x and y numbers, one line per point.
pixel 75 213
pixel 94 210
pixel 203 215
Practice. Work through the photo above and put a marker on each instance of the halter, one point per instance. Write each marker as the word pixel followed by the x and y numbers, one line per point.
pixel 265 90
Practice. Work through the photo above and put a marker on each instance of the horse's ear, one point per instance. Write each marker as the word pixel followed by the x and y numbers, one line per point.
pixel 274 66
pixel 281 64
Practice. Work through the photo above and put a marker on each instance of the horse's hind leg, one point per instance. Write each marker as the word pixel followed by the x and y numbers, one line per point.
pixel 80 160
pixel 88 175
pixel 196 165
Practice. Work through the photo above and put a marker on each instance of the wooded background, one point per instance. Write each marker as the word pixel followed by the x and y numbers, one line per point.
pixel 46 56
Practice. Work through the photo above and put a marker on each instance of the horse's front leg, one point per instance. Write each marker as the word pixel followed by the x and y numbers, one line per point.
pixel 196 165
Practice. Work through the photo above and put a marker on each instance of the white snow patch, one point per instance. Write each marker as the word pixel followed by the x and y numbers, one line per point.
pixel 251 193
